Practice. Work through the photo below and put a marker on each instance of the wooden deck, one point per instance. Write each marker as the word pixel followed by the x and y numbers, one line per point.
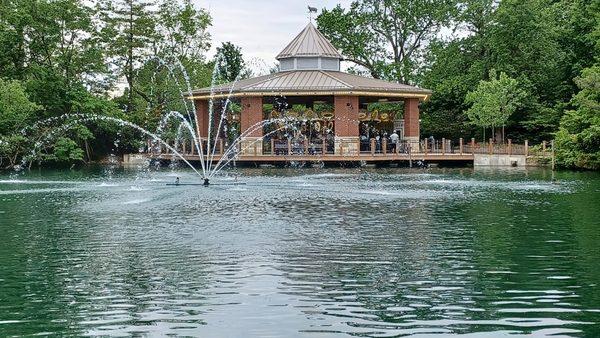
pixel 443 150
pixel 333 158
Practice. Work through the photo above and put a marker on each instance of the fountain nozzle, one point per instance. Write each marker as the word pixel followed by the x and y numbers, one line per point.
pixel 206 182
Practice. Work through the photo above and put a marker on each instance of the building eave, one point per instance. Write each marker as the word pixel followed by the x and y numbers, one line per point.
pixel 421 95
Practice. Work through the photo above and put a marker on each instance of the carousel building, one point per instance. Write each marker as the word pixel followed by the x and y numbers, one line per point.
pixel 338 114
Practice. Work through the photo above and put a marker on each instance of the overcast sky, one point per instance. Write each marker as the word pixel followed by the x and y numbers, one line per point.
pixel 261 27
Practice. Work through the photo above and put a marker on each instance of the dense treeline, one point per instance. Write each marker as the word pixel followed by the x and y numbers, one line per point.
pixel 520 69
pixel 529 66
pixel 62 57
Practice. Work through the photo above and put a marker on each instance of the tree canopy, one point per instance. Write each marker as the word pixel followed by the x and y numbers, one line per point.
pixel 494 101
pixel 578 138
pixel 230 63
pixel 387 37
pixel 120 58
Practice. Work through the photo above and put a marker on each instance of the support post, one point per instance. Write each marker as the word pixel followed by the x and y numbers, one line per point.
pixel 460 141
pixel 324 150
pixel 411 120
pixel 384 145
pixel 221 146
pixel 250 115
pixel 526 148
pixel 509 147
pixel 305 147
pixel 272 146
pixel 490 146
pixel 473 146
pixel 289 146
pixel 553 161
pixel 544 147
pixel 443 146
pixel 372 147
pixel 426 145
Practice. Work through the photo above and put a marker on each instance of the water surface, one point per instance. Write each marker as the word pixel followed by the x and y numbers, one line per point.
pixel 316 253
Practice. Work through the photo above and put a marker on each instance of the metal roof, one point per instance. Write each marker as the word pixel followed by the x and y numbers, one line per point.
pixel 313 81
pixel 310 42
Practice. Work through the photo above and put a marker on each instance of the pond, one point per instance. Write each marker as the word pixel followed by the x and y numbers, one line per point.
pixel 316 253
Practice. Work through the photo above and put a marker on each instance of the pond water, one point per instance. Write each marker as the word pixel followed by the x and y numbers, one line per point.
pixel 316 253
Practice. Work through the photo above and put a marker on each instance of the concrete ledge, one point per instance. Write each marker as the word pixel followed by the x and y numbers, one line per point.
pixel 499 160
pixel 135 158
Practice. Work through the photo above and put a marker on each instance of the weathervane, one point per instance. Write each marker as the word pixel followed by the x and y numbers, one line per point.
pixel 311 10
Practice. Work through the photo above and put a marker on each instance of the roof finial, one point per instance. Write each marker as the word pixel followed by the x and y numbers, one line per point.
pixel 311 10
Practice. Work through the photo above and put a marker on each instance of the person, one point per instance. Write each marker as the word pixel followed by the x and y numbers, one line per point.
pixel 378 143
pixel 364 142
pixel 177 181
pixel 394 140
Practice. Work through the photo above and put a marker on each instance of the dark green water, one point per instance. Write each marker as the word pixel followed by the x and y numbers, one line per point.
pixel 301 253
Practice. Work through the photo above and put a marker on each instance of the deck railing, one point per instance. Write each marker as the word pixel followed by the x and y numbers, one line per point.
pixel 372 147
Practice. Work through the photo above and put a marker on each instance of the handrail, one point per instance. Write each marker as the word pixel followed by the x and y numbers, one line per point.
pixel 373 147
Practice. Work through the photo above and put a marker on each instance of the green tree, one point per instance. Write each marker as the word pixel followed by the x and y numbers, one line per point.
pixel 230 63
pixel 494 101
pixel 157 42
pixel 129 30
pixel 16 112
pixel 66 151
pixel 183 30
pixel 578 139
pixel 387 37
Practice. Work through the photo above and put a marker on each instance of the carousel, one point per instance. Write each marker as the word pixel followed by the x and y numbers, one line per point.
pixel 312 107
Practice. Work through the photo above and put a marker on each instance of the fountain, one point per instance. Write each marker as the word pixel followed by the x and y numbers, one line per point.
pixel 309 75
pixel 188 122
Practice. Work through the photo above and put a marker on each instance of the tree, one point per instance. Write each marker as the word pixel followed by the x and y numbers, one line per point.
pixel 494 101
pixel 16 112
pixel 153 46
pixel 129 31
pixel 183 30
pixel 230 63
pixel 578 139
pixel 387 37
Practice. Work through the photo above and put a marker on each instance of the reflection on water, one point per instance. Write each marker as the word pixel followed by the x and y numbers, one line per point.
pixel 301 253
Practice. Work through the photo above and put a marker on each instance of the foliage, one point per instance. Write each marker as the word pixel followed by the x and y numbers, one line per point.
pixel 230 63
pixel 387 37
pixel 494 101
pixel 578 139
pixel 66 151
pixel 61 57
pixel 543 44
pixel 16 110
pixel 11 147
